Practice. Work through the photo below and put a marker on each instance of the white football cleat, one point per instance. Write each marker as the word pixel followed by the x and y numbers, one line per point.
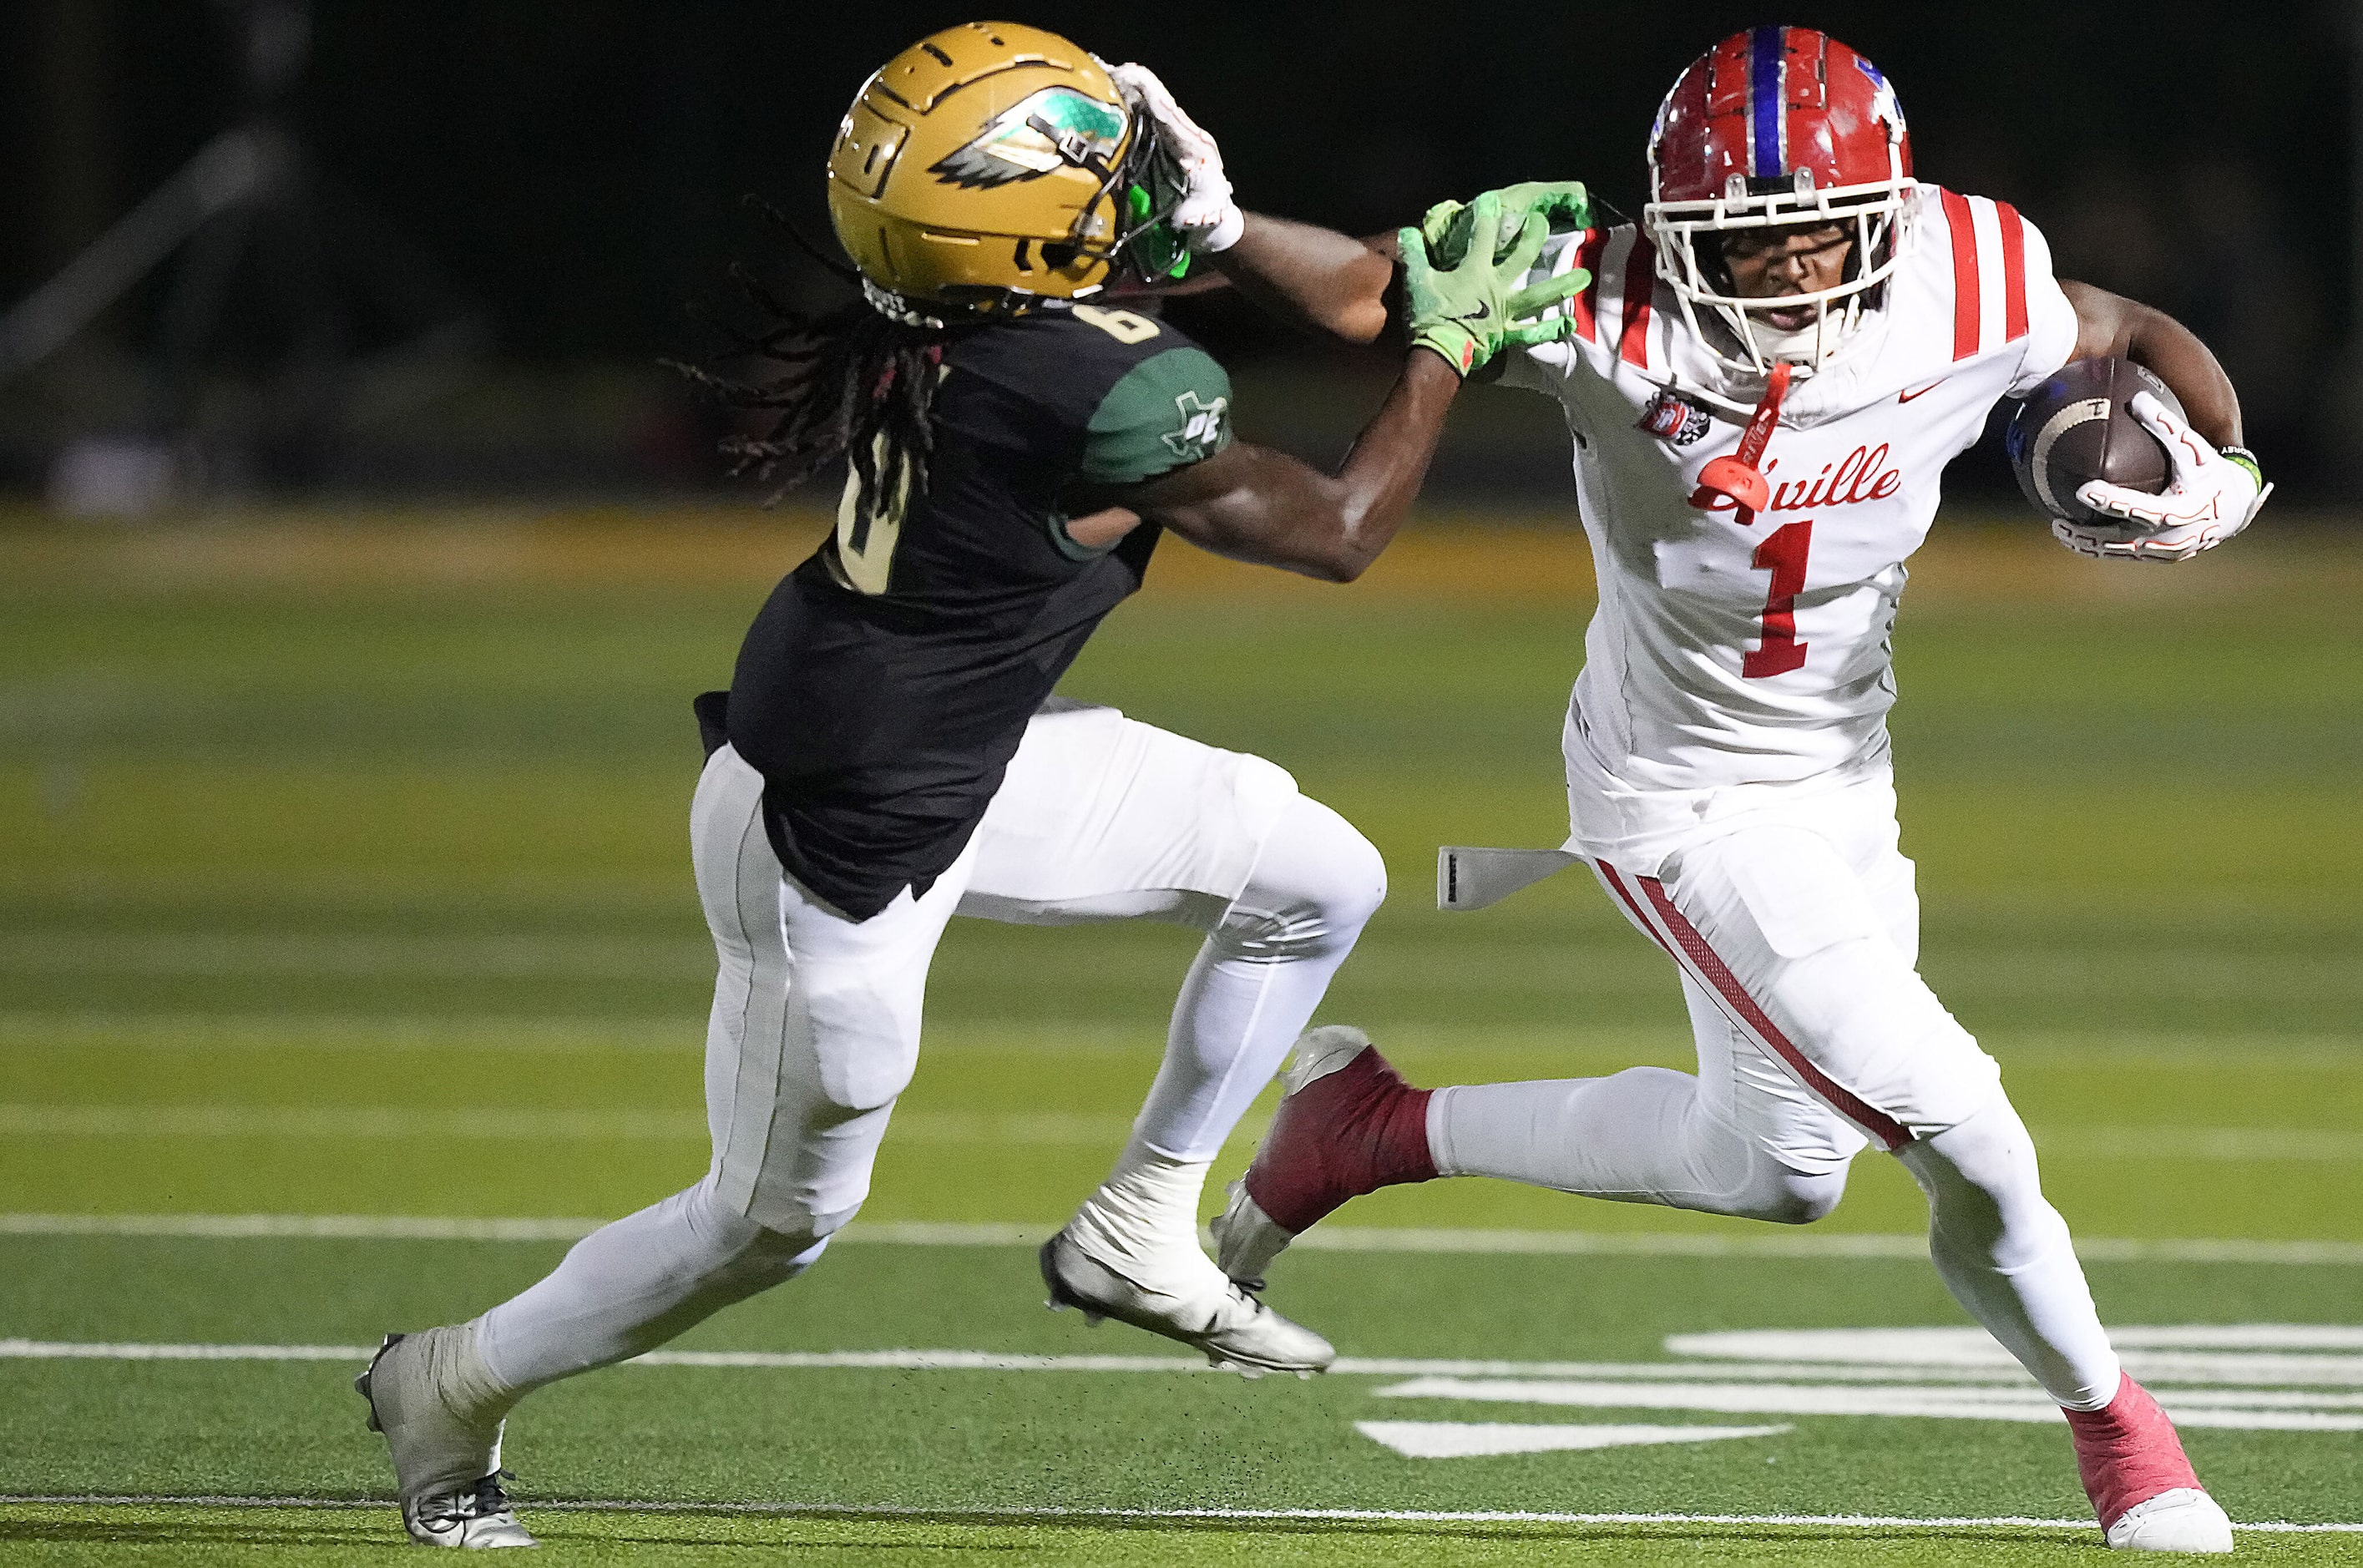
pixel 476 1520
pixel 446 1457
pixel 2185 1519
pixel 1236 1331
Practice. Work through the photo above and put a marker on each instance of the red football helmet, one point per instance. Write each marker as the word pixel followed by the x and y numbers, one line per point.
pixel 1775 126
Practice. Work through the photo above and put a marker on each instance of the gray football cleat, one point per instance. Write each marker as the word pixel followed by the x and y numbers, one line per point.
pixel 1246 1239
pixel 475 1519
pixel 447 1457
pixel 1236 1331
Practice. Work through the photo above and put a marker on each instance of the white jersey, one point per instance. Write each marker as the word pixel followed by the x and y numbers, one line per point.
pixel 1733 648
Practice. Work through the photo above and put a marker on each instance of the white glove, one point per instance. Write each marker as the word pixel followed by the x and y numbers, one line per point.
pixel 2211 496
pixel 1207 220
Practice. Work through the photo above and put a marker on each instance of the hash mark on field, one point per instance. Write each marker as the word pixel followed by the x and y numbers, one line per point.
pixel 1484 1439
pixel 1020 1512
pixel 1831 1246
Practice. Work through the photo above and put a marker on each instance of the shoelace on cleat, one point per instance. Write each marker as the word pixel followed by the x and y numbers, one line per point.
pixel 483 1501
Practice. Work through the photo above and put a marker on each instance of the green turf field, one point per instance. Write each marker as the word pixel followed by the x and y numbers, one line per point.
pixel 345 912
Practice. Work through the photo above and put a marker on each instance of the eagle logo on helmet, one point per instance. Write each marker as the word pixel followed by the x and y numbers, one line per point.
pixel 990 170
pixel 1054 126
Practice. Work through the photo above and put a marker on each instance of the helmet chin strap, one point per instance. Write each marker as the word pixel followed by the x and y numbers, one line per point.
pixel 1736 475
pixel 1795 345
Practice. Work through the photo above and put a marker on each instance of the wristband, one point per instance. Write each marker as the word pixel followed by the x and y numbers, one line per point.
pixel 1225 234
pixel 2246 460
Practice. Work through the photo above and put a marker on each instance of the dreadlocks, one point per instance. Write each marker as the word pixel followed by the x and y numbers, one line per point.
pixel 853 383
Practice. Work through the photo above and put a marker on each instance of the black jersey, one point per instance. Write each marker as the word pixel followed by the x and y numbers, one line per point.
pixel 886 684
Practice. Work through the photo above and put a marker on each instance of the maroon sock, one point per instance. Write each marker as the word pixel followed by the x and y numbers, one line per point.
pixel 1354 1131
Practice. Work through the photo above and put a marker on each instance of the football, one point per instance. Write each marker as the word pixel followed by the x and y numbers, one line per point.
pixel 2076 428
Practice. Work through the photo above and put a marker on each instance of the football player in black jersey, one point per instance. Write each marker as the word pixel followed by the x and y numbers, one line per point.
pixel 889 752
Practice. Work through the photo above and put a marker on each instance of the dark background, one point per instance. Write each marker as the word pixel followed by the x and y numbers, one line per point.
pixel 568 177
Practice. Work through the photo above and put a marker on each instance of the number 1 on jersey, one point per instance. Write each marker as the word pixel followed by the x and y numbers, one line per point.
pixel 1783 555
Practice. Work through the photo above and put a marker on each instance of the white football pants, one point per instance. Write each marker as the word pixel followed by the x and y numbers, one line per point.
pixel 816 1022
pixel 1796 932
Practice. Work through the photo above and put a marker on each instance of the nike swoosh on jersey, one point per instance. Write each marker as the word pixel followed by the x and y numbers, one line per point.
pixel 1909 392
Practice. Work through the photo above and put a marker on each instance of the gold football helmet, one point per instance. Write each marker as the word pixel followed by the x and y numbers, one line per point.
pixel 990 167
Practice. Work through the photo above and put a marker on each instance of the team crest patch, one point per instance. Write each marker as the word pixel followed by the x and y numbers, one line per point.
pixel 1201 426
pixel 1056 126
pixel 1669 418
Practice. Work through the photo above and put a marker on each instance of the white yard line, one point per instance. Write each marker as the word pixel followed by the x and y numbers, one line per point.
pixel 1020 1514
pixel 1837 1246
pixel 2233 1145
pixel 2302 1402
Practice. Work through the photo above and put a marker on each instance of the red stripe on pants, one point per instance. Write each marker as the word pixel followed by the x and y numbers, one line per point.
pixel 1616 885
pixel 1879 1124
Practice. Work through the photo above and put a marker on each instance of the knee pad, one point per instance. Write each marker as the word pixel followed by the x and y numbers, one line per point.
pixel 1756 1183
pixel 748 1249
pixel 1988 1152
pixel 779 1256
pixel 1800 1197
pixel 1316 884
pixel 1782 1195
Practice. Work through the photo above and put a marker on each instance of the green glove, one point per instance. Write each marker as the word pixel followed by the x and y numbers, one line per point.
pixel 1563 203
pixel 1469 312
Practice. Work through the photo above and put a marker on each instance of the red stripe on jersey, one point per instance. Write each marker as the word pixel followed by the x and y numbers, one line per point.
pixel 1712 970
pixel 1624 896
pixel 1966 304
pixel 1640 282
pixel 2013 271
pixel 1585 307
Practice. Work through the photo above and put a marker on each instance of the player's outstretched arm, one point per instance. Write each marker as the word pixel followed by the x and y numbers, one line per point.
pixel 1313 277
pixel 1253 504
pixel 1334 283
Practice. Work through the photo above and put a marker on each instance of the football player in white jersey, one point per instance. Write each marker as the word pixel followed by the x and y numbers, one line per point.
pixel 1764 384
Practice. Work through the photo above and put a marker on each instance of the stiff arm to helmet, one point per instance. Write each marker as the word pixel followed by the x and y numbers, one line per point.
pixel 1204 214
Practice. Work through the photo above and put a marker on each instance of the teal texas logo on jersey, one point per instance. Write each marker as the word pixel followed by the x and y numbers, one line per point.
pixel 1055 126
pixel 1201 426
